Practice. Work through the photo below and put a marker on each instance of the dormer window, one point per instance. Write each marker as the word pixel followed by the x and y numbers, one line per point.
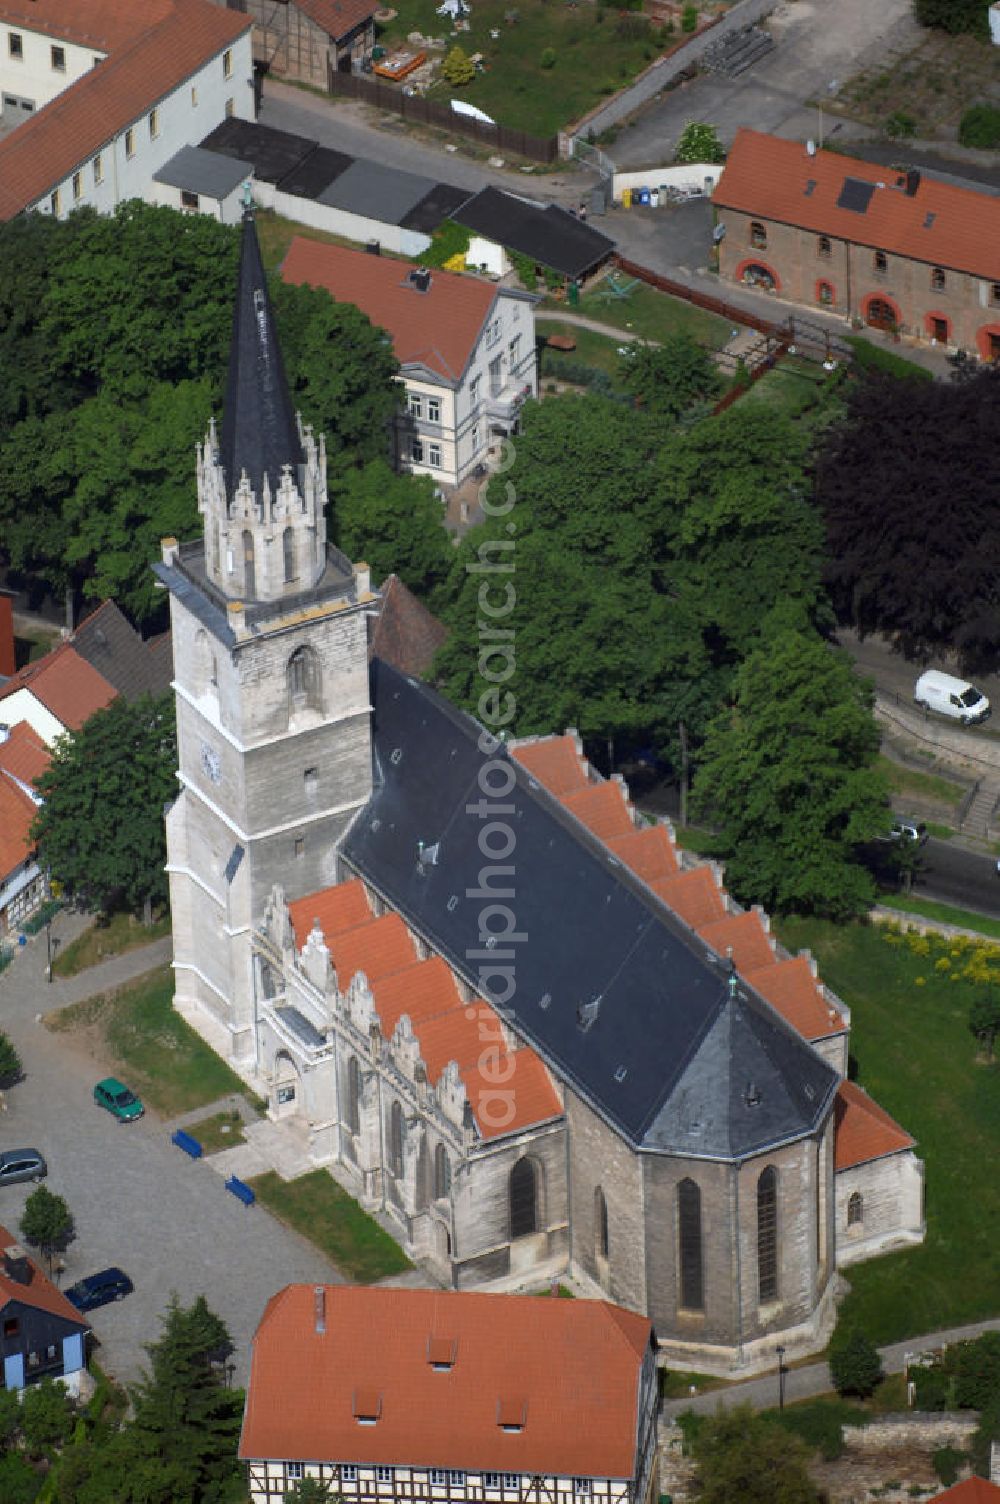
pixel 367 1406
pixel 512 1413
pixel 441 1353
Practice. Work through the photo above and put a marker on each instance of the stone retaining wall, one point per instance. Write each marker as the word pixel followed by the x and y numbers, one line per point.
pixel 914 1428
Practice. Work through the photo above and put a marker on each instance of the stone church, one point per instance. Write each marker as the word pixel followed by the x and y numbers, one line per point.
pixel 501 1005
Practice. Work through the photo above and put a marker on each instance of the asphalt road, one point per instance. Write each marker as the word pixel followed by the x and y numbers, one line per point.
pixel 952 874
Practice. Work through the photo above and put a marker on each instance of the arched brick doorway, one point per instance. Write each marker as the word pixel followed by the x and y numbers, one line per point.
pixel 881 313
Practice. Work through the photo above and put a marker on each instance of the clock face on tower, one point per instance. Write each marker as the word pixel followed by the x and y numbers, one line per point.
pixel 211 762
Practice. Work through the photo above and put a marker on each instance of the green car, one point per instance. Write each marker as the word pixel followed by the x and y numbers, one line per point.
pixel 124 1104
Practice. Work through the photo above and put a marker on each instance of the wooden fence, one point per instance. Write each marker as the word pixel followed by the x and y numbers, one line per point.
pixel 385 96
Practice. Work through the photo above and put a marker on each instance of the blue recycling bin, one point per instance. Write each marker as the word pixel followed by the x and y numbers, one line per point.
pixel 644 197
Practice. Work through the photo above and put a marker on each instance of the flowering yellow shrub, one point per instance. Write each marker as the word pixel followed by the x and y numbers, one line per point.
pixel 967 959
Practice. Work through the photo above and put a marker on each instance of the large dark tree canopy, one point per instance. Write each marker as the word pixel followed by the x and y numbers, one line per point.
pixel 907 485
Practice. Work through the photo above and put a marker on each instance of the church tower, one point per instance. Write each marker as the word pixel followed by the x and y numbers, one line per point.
pixel 270 678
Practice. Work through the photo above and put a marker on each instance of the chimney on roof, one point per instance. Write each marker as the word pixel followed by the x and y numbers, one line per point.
pixel 419 278
pixel 319 1309
pixel 16 1265
pixel 912 182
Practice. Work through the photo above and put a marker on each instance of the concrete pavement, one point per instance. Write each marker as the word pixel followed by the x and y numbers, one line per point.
pixel 136 1200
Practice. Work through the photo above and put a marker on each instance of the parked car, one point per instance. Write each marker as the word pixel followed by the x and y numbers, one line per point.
pixel 21 1164
pixel 120 1102
pixel 952 697
pixel 909 830
pixel 99 1289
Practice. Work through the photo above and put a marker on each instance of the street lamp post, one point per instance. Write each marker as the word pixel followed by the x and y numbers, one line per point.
pixel 781 1377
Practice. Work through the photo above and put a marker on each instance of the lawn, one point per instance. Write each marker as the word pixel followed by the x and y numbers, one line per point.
pixel 801 389
pixel 592 349
pixel 910 783
pixel 221 1131
pixel 315 1206
pixel 653 315
pixel 927 908
pixel 107 937
pixel 140 1037
pixel 916 1056
pixel 596 51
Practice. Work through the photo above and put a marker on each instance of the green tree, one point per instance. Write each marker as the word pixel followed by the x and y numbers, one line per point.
pixel 47 1223
pixel 855 1365
pixel 19 1482
pixel 671 378
pixel 312 1491
pixel 48 1417
pixel 984 1021
pixel 341 372
pixel 699 142
pixel 100 830
pixel 458 68
pixel 187 1422
pixel 976 1369
pixel 743 1456
pixel 396 523
pixel 953 16
pixel 788 773
pixel 10 1063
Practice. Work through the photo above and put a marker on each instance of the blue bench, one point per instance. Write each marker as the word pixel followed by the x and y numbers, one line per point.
pixel 241 1191
pixel 187 1143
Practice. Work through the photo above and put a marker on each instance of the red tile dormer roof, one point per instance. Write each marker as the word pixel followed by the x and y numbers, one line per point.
pixel 603 808
pixel 23 756
pixel 556 762
pixel 939 224
pixel 791 987
pixel 336 909
pixel 437 329
pixel 863 1130
pixel 149 51
pixel 568 1370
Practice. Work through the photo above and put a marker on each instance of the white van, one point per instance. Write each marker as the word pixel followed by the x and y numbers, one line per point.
pixel 951 697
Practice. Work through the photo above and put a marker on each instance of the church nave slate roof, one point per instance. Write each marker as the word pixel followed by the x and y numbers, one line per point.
pixel 618 996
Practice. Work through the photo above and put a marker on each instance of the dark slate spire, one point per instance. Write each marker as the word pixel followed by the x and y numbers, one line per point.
pixel 259 431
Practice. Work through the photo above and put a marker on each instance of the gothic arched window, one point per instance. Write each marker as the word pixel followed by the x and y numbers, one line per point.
pixel 354 1095
pixel 692 1292
pixel 249 571
pixel 855 1210
pixel 304 679
pixel 767 1234
pixel 522 1191
pixel 602 1242
pixel 442 1172
pixel 288 548
pixel 396 1140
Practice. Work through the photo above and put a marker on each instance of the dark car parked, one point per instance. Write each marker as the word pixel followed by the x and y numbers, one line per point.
pixel 21 1164
pixel 99 1289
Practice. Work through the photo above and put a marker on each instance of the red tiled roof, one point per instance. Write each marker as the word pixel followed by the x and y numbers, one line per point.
pixel 969 1491
pixel 648 852
pixel 405 633
pixel 24 755
pixel 342 907
pixel 437 329
pixel 64 683
pixel 337 17
pixel 744 935
pixel 555 762
pixel 17 811
pixel 377 948
pixel 791 987
pixel 603 808
pixel 152 48
pixel 41 1292
pixel 862 1129
pixel 446 1028
pixel 769 177
pixel 693 895
pixel 570 1366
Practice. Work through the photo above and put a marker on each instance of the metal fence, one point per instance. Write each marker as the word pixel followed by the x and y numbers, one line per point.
pixel 384 96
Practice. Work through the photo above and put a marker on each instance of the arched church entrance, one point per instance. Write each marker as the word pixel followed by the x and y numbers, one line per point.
pixel 287 1101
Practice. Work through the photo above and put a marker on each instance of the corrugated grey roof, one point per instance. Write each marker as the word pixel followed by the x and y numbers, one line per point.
pixel 196 170
pixel 376 191
pixel 621 998
pixel 259 432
